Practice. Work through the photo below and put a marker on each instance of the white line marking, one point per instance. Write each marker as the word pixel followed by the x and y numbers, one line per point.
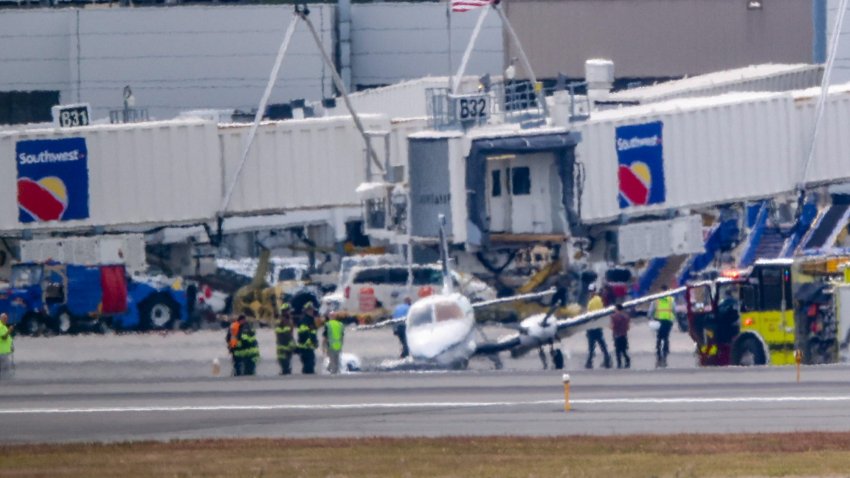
pixel 367 406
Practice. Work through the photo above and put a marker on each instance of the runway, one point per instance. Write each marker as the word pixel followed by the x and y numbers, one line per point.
pixel 429 404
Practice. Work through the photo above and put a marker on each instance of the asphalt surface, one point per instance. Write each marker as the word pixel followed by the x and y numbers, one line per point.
pixel 146 387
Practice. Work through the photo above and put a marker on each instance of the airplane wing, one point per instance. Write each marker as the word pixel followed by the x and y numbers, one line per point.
pixel 382 324
pixel 539 330
pixel 513 298
pixel 579 322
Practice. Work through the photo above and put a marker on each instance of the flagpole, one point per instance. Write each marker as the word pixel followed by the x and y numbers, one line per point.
pixel 524 59
pixel 475 32
pixel 449 32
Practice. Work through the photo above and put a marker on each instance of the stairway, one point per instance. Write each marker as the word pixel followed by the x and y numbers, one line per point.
pixel 771 244
pixel 826 228
pixel 668 273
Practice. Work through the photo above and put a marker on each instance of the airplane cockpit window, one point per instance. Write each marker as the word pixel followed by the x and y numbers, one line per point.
pixel 421 315
pixel 448 310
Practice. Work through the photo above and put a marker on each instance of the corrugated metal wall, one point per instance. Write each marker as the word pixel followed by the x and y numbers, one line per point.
pixel 396 41
pixel 298 164
pixel 137 174
pixel 658 38
pixel 832 152
pixel 714 151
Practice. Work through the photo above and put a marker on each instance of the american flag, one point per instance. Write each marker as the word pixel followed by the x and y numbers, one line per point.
pixel 467 5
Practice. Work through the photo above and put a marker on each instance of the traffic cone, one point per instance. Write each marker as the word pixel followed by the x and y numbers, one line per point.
pixel 216 368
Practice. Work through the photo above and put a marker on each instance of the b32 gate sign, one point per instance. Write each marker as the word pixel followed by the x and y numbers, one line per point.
pixel 640 155
pixel 53 180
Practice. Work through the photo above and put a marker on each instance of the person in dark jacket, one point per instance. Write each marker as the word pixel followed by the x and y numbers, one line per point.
pixel 247 351
pixel 620 330
pixel 284 339
pixel 232 340
pixel 308 341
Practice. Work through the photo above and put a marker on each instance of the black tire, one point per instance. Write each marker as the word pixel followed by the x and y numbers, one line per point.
pixel 158 312
pixel 30 325
pixel 748 351
pixel 64 322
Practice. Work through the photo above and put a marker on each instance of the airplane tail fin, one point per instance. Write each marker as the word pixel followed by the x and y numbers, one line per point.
pixel 444 256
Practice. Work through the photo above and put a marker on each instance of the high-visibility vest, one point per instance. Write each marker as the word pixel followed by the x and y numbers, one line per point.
pixel 234 335
pixel 5 343
pixel 664 309
pixel 335 331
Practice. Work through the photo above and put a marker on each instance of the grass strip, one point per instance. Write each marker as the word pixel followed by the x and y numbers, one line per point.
pixel 751 455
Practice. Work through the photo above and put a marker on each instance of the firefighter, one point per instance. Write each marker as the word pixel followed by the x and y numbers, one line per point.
pixel 333 334
pixel 662 310
pixel 596 335
pixel 307 340
pixel 247 351
pixel 285 342
pixel 232 341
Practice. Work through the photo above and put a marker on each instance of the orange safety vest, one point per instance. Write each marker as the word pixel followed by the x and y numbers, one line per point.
pixel 234 335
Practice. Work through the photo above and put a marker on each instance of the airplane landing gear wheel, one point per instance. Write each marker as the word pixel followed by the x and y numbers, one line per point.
pixel 557 359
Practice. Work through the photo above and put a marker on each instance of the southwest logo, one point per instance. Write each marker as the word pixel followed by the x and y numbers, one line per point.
pixel 53 180
pixel 44 200
pixel 640 164
pixel 635 183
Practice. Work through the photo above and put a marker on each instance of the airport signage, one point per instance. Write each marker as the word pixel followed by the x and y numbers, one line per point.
pixel 70 116
pixel 640 158
pixel 53 180
pixel 471 108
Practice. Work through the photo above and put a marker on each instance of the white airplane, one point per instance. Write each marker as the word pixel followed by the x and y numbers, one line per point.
pixel 442 332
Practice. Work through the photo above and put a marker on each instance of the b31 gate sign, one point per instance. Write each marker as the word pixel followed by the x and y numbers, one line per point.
pixel 53 180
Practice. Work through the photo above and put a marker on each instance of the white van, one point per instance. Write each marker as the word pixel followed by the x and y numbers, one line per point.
pixel 372 292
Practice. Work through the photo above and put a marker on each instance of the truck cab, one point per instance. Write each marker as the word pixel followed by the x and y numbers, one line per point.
pixel 63 297
pixel 69 298
pixel 764 315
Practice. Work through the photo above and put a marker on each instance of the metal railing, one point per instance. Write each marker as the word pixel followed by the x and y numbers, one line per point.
pixel 514 102
pixel 128 115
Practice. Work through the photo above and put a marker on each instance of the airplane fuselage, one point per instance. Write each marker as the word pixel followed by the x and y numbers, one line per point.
pixel 441 330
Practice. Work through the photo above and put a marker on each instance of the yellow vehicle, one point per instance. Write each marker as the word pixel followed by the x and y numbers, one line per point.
pixel 259 301
pixel 766 314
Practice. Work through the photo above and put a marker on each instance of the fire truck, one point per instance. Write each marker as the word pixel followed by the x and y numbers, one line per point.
pixel 770 312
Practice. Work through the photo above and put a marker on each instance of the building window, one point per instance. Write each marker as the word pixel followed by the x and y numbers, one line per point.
pixel 496 177
pixel 21 107
pixel 376 213
pixel 521 181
